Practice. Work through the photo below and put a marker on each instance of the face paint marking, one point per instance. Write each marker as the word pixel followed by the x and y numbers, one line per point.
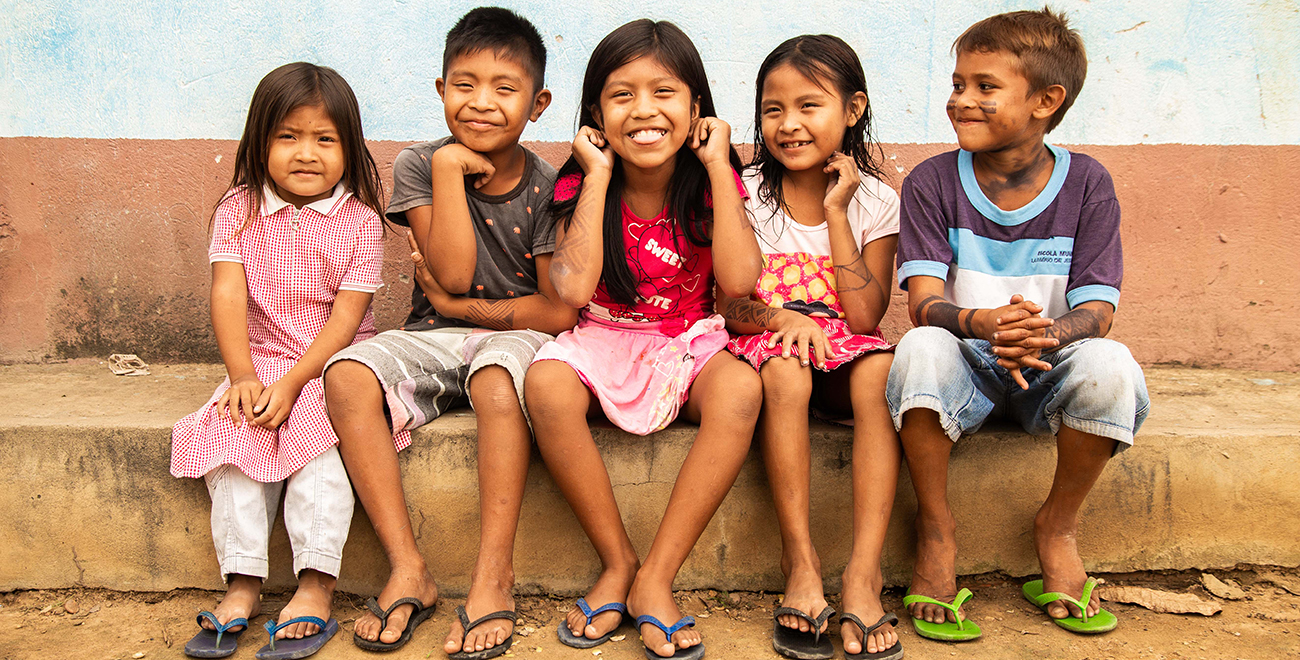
pixel 989 107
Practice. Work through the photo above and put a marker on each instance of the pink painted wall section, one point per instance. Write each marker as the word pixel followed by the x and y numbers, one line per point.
pixel 103 249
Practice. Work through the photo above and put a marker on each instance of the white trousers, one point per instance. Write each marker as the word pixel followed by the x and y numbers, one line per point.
pixel 317 514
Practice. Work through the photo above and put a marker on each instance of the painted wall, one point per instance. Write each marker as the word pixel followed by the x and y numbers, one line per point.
pixel 118 121
pixel 1190 71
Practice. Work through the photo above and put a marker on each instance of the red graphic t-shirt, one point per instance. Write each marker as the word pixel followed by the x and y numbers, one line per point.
pixel 674 276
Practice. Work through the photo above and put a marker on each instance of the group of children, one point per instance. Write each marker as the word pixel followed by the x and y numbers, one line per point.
pixel 656 276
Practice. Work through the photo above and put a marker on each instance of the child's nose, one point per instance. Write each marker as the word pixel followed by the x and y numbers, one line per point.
pixel 481 99
pixel 644 106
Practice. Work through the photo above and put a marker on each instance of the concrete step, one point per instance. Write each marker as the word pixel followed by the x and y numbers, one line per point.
pixel 1209 483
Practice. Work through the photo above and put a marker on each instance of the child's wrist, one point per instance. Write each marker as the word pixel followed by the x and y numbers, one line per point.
pixel 719 168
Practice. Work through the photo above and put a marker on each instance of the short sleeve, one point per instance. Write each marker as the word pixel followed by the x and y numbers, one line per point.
pixel 363 274
pixel 875 213
pixel 412 185
pixel 922 230
pixel 1097 264
pixel 568 187
pixel 225 225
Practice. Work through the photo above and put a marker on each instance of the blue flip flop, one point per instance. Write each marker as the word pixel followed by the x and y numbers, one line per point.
pixel 693 653
pixel 580 642
pixel 288 649
pixel 208 643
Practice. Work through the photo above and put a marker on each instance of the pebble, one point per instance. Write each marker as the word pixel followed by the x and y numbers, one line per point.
pixel 71 606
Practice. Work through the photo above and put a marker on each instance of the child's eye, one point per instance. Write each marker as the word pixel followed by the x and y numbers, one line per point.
pixel 986 87
pixel 771 111
pixel 327 138
pixel 957 87
pixel 665 90
pixel 506 90
pixel 285 136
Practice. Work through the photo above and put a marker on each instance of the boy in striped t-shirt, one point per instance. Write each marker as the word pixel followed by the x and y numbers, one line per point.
pixel 1009 250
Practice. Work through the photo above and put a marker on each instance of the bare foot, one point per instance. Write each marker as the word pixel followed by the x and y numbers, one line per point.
pixel 861 597
pixel 314 597
pixel 243 599
pixel 803 592
pixel 611 587
pixel 402 583
pixel 935 573
pixel 1058 555
pixel 656 599
pixel 487 593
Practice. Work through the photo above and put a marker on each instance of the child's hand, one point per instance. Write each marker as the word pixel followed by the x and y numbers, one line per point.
pixel 275 403
pixel 844 182
pixel 593 151
pixel 1018 338
pixel 436 294
pixel 804 335
pixel 710 139
pixel 241 396
pixel 465 162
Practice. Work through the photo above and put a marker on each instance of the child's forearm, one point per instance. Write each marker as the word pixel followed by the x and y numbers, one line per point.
pixel 451 245
pixel 580 248
pixel 230 318
pixel 927 306
pixel 745 316
pixel 345 317
pixel 534 312
pixel 863 278
pixel 1089 319
pixel 736 258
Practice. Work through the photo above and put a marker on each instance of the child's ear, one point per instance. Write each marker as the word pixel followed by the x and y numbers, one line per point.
pixel 597 117
pixel 857 107
pixel 441 86
pixel 541 102
pixel 1049 101
pixel 695 109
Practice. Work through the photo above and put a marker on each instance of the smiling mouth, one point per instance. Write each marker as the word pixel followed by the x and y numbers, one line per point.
pixel 795 145
pixel 647 136
pixel 479 125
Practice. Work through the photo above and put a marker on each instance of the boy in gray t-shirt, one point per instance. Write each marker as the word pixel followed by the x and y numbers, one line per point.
pixel 485 304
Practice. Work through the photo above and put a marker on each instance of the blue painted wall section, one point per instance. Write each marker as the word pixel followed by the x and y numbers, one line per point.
pixel 1191 71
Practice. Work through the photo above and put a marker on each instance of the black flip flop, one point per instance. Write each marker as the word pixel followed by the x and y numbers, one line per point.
pixel 892 653
pixel 466 625
pixel 419 616
pixel 794 643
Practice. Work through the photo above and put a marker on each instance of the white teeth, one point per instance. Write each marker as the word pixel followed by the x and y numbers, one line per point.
pixel 647 135
pixel 795 145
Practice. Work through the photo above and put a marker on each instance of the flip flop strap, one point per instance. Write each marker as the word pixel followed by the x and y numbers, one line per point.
pixel 957 601
pixel 816 623
pixel 1053 596
pixel 607 607
pixel 272 627
pixel 668 630
pixel 467 625
pixel 887 617
pixel 221 627
pixel 383 614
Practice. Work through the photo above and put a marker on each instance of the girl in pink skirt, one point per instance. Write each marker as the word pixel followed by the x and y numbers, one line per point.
pixel 828 227
pixel 296 254
pixel 650 212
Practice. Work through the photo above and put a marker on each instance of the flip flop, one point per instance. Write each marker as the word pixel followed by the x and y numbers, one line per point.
pixel 1100 622
pixel 794 643
pixel 693 653
pixel 289 649
pixel 421 614
pixel 892 653
pixel 208 643
pixel 962 631
pixel 580 642
pixel 466 625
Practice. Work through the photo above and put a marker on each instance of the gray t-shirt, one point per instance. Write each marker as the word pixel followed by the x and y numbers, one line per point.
pixel 510 229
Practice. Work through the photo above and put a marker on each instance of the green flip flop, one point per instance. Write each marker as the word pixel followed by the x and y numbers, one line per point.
pixel 961 631
pixel 1100 622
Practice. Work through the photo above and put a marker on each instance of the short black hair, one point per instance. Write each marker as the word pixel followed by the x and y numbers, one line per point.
pixel 502 31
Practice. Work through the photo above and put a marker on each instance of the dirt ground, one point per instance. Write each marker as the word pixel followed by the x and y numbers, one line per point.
pixel 99 624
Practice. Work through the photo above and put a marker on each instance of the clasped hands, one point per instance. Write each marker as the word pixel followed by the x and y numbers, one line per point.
pixel 1019 337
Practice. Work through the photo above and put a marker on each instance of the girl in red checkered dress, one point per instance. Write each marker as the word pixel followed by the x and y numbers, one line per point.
pixel 296 253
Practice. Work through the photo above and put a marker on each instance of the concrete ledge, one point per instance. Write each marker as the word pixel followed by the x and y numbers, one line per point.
pixel 1210 483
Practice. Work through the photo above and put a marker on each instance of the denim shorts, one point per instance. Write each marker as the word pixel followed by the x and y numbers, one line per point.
pixel 1095 386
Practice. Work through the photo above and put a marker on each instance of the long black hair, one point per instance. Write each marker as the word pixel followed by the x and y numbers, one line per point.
pixel 281 92
pixel 690 181
pixel 819 57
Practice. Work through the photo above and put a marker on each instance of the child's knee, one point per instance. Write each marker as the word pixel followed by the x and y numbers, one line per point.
pixel 785 381
pixel 744 393
pixel 348 382
pixel 549 391
pixel 926 347
pixel 492 391
pixel 1102 371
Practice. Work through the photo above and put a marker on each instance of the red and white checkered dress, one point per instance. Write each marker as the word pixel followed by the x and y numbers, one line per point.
pixel 295 262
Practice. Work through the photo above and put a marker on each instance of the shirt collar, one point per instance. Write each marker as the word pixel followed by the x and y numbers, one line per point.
pixel 271 202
